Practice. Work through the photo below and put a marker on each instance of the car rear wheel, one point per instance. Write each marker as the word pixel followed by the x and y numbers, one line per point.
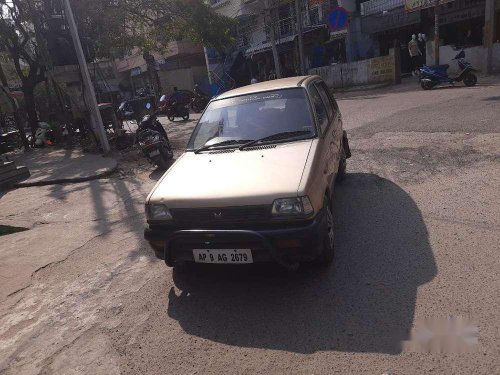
pixel 328 246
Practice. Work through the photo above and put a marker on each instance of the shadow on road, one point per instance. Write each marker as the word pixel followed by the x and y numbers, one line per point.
pixel 492 98
pixel 365 303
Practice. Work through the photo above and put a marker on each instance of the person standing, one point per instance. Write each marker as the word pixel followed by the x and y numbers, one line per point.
pixel 414 54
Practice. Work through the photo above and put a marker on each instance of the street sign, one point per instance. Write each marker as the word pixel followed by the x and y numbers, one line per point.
pixel 337 20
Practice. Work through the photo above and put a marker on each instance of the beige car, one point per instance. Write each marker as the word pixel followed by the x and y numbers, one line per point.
pixel 256 181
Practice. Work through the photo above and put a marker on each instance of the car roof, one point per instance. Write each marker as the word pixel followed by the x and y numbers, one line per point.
pixel 276 84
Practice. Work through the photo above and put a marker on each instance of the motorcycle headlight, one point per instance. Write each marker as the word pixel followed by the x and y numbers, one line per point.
pixel 157 212
pixel 299 206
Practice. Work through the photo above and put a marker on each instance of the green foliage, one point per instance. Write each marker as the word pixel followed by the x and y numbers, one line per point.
pixel 117 26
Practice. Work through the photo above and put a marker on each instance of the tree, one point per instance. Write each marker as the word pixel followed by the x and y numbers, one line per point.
pixel 116 26
pixel 18 38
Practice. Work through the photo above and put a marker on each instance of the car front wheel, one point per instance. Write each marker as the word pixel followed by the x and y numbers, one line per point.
pixel 328 245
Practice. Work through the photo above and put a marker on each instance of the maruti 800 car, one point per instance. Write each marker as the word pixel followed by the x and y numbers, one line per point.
pixel 256 181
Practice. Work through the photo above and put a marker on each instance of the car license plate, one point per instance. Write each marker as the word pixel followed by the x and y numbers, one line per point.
pixel 154 153
pixel 223 256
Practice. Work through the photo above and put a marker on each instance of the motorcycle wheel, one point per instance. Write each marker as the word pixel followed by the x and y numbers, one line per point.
pixel 196 107
pixel 185 117
pixel 162 162
pixel 426 85
pixel 470 80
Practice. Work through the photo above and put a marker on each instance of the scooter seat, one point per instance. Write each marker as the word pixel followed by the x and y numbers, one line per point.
pixel 445 66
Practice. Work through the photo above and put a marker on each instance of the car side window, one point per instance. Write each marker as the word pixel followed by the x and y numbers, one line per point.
pixel 319 108
pixel 327 98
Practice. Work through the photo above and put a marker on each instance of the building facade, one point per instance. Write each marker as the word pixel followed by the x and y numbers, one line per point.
pixel 251 56
pixel 182 65
pixel 390 23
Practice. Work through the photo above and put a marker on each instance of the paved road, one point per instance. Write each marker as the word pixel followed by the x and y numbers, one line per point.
pixel 417 238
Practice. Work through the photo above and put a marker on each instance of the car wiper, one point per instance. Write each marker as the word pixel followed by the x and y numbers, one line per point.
pixel 228 142
pixel 276 137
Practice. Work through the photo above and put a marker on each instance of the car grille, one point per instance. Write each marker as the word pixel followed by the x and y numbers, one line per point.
pixel 222 215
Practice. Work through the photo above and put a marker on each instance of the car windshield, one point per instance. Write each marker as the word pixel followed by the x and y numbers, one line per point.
pixel 252 117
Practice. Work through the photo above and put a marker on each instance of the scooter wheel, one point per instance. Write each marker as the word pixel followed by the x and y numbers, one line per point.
pixel 425 85
pixel 171 118
pixel 470 80
pixel 186 117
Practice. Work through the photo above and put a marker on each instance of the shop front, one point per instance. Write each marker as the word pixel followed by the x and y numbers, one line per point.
pixel 461 23
pixel 393 28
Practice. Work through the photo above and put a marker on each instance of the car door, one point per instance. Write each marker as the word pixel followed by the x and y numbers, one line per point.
pixel 325 146
pixel 334 134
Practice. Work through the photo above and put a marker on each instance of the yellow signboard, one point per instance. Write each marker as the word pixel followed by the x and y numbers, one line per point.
pixel 413 5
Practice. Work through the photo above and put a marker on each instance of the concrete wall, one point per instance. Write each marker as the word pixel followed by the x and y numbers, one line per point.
pixel 365 72
pixel 183 79
pixel 496 57
pixel 475 55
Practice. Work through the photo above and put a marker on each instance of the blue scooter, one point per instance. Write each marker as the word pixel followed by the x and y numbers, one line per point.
pixel 431 76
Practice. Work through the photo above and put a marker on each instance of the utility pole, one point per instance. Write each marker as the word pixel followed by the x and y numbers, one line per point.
pixel 276 58
pixel 95 115
pixel 436 32
pixel 489 29
pixel 301 41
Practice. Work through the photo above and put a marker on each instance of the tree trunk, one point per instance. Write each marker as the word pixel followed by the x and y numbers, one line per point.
pixel 29 100
pixel 15 108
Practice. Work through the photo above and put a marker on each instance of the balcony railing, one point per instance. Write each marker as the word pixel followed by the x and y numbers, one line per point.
pixel 379 6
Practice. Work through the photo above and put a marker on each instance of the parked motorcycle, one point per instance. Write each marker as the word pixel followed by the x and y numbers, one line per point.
pixel 431 76
pixel 154 141
pixel 199 102
pixel 174 108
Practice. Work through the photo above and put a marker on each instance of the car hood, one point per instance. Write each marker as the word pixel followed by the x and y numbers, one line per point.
pixel 235 178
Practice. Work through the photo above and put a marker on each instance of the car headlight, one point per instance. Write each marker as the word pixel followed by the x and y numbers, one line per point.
pixel 292 206
pixel 158 212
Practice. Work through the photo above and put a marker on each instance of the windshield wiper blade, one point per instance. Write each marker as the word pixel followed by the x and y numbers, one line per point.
pixel 223 143
pixel 277 136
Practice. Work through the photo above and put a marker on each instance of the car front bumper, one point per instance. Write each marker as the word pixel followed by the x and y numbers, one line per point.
pixel 286 245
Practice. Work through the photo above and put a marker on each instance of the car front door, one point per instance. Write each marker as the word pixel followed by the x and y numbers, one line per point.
pixel 325 147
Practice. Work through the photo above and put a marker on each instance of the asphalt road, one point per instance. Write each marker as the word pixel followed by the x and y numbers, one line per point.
pixel 417 241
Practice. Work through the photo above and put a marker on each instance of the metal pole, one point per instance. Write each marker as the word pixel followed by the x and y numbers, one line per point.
pixel 208 65
pixel 489 29
pixel 436 32
pixel 277 66
pixel 301 40
pixel 87 82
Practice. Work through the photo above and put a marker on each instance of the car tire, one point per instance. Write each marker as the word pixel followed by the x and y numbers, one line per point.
pixel 328 241
pixel 342 170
